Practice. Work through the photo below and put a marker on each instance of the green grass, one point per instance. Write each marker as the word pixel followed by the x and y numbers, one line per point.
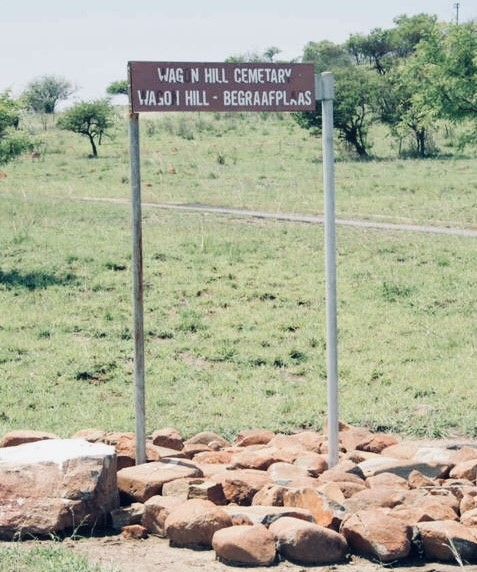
pixel 235 325
pixel 42 559
pixel 255 161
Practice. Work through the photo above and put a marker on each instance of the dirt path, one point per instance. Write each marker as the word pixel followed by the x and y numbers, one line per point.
pixel 287 217
pixel 155 555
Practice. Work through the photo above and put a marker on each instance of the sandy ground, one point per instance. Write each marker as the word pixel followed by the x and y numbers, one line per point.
pixel 290 217
pixel 155 555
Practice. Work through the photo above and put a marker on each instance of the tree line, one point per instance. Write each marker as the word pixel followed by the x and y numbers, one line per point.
pixel 91 119
pixel 406 77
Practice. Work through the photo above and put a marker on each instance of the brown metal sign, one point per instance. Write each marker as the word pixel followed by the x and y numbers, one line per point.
pixel 177 86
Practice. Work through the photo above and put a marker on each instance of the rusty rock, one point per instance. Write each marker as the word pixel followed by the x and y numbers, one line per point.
pixel 465 470
pixel 284 473
pixel 51 485
pixel 144 481
pixel 242 485
pixel 206 437
pixel 442 539
pixel 19 437
pixel 314 463
pixel 194 523
pixel 469 518
pixel 378 497
pixel 269 495
pixel 169 438
pixel 126 515
pixel 245 545
pixel 134 532
pixel 254 437
pixel 260 514
pixel 308 543
pixel 156 510
pixel 325 511
pixel 387 480
pixel 376 533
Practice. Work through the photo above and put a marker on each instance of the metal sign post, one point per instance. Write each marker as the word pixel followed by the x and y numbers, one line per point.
pixel 325 90
pixel 138 289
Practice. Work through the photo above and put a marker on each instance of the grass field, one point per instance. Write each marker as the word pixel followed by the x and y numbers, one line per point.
pixel 234 309
pixel 43 559
pixel 254 162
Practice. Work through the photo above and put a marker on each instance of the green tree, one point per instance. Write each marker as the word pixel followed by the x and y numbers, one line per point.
pixel 356 91
pixel 245 58
pixel 9 112
pixel 91 119
pixel 120 87
pixel 391 54
pixel 326 55
pixel 270 53
pixel 410 31
pixel 42 94
pixel 447 64
pixel 402 107
pixel 13 142
pixel 375 49
pixel 382 49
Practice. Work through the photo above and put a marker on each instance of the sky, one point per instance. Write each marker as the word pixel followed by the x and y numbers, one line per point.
pixel 89 42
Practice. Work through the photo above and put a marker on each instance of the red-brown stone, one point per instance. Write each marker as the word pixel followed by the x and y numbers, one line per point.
pixel 314 463
pixel 387 480
pixel 254 437
pixel 156 453
pixel 308 543
pixel 259 459
pixel 156 510
pixel 378 497
pixel 326 511
pixel 465 470
pixel 261 514
pixel 412 514
pixel 442 539
pixel 134 532
pixel 469 519
pixel 19 437
pixel 284 473
pixel 213 457
pixel 169 438
pixel 51 485
pixel 242 485
pixel 376 533
pixel 245 545
pixel 144 481
pixel 269 495
pixel 206 437
pixel 194 523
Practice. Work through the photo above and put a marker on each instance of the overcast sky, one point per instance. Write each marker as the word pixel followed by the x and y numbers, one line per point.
pixel 90 41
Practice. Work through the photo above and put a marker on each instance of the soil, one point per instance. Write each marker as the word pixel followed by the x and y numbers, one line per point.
pixel 155 555
pixel 113 553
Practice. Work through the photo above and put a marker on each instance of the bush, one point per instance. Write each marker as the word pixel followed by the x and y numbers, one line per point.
pixel 13 144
